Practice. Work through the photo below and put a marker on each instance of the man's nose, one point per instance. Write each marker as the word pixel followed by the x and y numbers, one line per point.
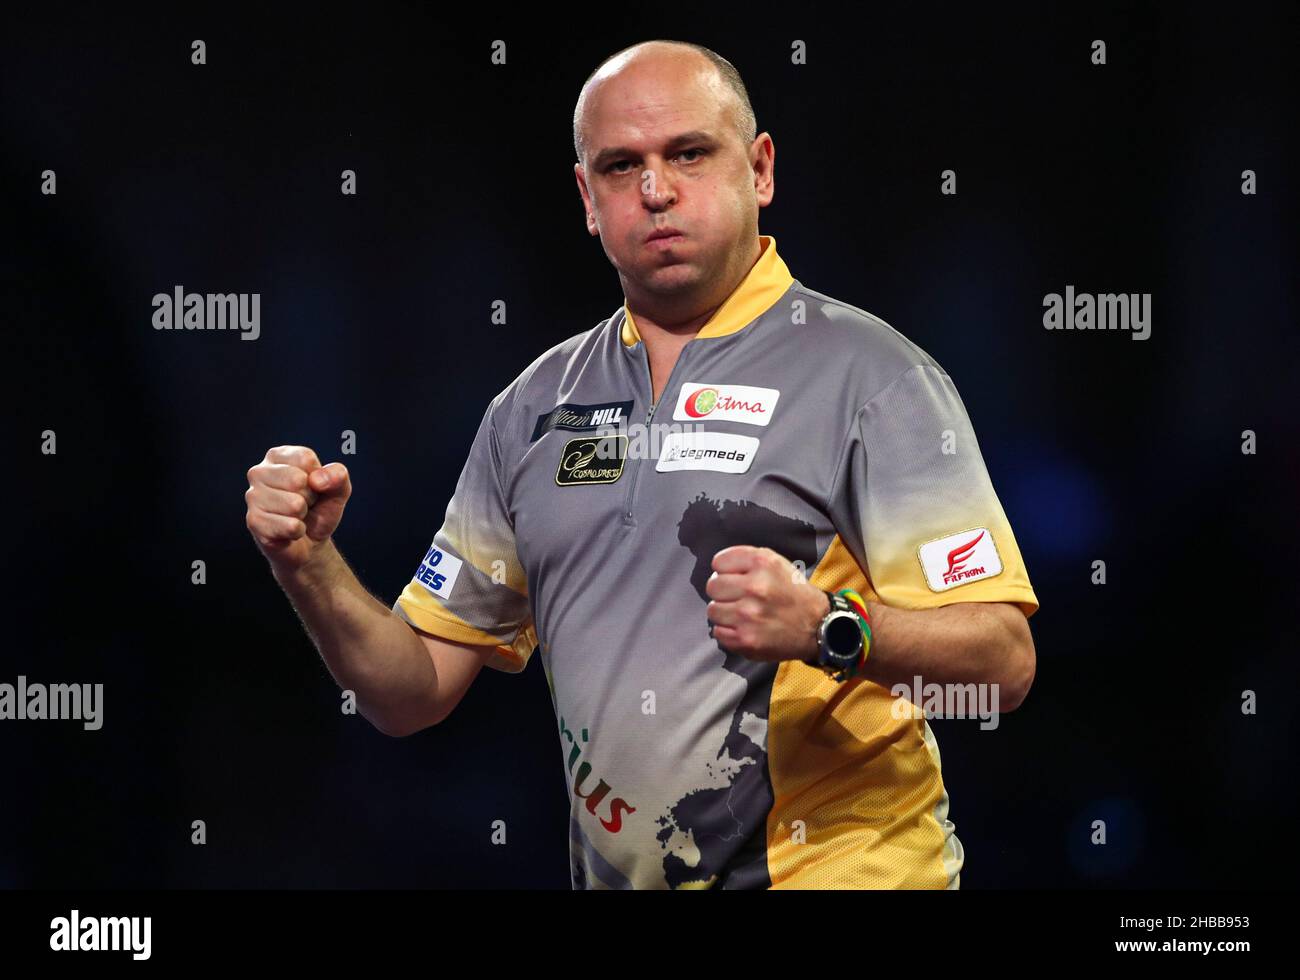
pixel 657 189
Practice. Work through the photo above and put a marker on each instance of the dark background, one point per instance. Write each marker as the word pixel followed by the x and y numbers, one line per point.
pixel 375 318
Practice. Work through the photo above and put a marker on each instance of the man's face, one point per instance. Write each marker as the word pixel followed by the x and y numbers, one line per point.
pixel 663 152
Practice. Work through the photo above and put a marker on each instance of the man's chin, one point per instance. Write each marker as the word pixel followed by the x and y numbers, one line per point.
pixel 671 276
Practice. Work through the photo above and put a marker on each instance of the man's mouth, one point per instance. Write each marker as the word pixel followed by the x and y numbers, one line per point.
pixel 665 236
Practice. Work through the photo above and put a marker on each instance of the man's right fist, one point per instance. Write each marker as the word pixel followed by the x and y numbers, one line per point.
pixel 294 503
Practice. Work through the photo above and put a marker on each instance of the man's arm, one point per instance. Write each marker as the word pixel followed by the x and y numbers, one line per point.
pixel 764 609
pixel 404 681
pixel 962 643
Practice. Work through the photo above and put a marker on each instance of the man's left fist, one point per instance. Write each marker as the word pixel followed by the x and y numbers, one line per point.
pixel 763 607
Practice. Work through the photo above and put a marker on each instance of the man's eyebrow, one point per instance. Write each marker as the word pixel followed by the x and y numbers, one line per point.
pixel 610 154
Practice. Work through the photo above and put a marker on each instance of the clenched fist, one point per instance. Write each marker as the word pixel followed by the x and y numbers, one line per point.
pixel 763 608
pixel 294 504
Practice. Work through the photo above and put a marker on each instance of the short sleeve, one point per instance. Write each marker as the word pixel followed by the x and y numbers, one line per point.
pixel 469 586
pixel 915 506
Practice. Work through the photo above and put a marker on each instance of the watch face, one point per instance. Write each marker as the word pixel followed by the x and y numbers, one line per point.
pixel 843 637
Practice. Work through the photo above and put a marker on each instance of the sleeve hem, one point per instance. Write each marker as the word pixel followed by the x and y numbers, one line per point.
pixel 507 658
pixel 1021 596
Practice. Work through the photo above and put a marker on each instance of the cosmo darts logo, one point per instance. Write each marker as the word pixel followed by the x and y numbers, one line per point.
pixel 967 556
pixel 731 403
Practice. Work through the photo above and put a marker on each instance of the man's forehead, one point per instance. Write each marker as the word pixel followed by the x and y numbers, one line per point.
pixel 647 94
pixel 653 128
pixel 633 115
pixel 657 97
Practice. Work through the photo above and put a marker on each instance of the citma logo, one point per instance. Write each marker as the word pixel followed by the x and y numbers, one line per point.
pixel 728 403
pixel 702 402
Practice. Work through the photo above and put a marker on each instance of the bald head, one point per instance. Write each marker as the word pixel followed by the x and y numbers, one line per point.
pixel 714 71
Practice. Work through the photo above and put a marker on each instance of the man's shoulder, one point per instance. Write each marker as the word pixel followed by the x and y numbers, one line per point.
pixel 871 352
pixel 550 369
pixel 561 357
pixel 843 329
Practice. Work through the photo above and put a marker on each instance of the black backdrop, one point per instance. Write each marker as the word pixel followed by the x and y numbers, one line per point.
pixel 375 318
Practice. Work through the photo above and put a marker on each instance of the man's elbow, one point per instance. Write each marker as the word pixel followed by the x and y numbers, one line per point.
pixel 1008 634
pixel 397 727
pixel 1023 664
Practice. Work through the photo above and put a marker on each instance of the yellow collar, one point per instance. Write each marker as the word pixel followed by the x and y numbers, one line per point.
pixel 762 286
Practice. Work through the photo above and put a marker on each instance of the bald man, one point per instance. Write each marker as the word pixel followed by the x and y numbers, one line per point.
pixel 742 524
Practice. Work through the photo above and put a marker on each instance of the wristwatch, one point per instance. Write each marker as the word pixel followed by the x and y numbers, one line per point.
pixel 839 637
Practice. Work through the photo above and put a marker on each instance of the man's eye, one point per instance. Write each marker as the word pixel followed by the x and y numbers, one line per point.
pixel 615 168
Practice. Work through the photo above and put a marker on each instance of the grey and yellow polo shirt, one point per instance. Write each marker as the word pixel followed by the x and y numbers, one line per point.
pixel 583 535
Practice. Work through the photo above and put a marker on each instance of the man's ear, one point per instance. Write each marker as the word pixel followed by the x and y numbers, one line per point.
pixel 763 162
pixel 581 177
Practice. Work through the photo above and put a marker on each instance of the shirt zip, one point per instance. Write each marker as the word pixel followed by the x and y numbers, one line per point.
pixel 668 386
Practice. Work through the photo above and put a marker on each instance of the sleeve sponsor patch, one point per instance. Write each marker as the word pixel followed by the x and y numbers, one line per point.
pixel 438 571
pixel 966 556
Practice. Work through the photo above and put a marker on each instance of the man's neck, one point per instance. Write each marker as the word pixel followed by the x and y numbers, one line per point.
pixel 667 327
pixel 669 322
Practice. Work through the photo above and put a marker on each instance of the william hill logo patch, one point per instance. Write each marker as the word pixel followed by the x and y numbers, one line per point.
pixel 581 418
pixel 591 459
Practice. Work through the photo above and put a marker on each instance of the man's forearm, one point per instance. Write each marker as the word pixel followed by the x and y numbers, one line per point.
pixel 962 643
pixel 365 645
